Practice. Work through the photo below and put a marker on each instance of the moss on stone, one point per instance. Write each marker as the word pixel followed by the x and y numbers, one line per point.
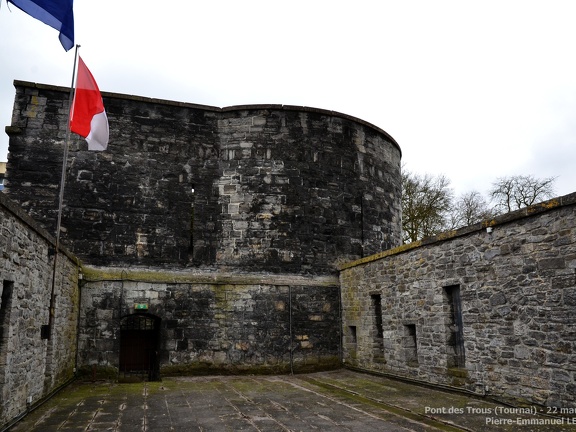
pixel 204 368
pixel 314 364
pixel 98 372
pixel 458 372
pixel 232 279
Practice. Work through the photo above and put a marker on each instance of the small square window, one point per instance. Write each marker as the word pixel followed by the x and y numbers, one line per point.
pixel 45 332
pixel 352 332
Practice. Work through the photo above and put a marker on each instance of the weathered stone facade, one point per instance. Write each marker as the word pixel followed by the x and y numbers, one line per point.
pixel 32 366
pixel 517 292
pixel 262 188
pixel 226 225
pixel 211 241
pixel 214 322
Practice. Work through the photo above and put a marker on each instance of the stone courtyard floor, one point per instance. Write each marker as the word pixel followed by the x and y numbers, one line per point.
pixel 340 400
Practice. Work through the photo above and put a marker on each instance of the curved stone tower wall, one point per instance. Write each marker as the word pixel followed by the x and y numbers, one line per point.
pixel 258 188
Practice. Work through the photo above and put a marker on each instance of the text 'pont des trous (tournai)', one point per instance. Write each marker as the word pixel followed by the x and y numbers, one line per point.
pixel 519 416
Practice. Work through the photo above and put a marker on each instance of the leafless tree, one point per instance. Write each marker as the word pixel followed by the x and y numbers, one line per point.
pixel 426 204
pixel 515 192
pixel 470 208
pixel 428 207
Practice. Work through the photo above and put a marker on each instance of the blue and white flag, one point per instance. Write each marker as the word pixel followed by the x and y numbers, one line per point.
pixel 58 14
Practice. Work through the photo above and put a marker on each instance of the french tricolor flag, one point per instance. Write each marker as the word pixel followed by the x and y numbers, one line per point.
pixel 88 117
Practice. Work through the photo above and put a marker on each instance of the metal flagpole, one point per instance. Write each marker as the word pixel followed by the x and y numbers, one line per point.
pixel 66 144
pixel 61 196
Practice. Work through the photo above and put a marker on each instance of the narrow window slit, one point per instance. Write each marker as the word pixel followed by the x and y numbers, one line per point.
pixel 454 329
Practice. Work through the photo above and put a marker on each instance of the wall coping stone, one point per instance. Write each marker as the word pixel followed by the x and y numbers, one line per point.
pixel 141 274
pixel 543 207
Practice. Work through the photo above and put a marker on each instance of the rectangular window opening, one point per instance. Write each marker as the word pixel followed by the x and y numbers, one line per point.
pixel 454 328
pixel 352 333
pixel 191 232
pixel 45 331
pixel 377 330
pixel 5 306
pixel 410 345
pixel 377 311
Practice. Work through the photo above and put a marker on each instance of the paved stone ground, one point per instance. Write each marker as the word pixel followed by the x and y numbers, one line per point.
pixel 329 401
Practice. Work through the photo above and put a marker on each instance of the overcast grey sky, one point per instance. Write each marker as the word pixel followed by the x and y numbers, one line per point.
pixel 471 90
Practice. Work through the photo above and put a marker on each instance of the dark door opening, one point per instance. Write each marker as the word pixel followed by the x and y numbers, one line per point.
pixel 139 344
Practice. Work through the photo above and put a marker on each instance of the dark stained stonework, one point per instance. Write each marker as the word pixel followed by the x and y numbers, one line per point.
pixel 261 324
pixel 263 188
pixel 226 225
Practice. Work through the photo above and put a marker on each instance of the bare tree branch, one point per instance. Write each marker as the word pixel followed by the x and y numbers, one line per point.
pixel 426 203
pixel 515 192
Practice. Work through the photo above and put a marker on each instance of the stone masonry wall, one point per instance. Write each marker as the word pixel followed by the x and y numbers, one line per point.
pixel 30 366
pixel 262 188
pixel 518 296
pixel 219 323
pixel 227 223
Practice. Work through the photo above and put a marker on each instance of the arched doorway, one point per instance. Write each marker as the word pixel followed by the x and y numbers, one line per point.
pixel 139 345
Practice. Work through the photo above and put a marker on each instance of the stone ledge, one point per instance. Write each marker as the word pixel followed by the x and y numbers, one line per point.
pixel 193 276
pixel 13 130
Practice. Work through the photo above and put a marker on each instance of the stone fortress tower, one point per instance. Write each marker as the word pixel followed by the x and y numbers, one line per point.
pixel 225 226
pixel 261 188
